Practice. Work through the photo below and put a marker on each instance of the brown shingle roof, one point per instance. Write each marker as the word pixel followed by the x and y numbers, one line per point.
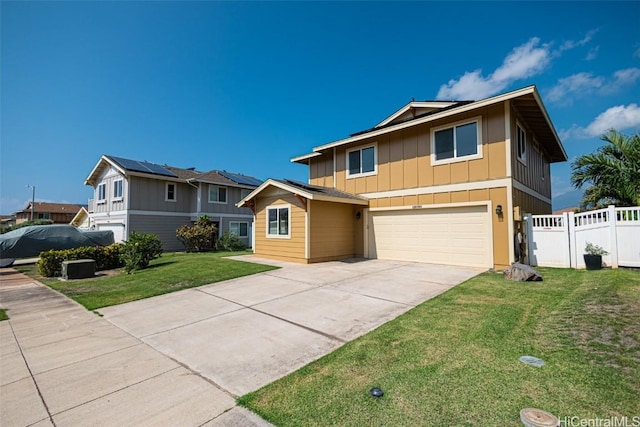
pixel 46 207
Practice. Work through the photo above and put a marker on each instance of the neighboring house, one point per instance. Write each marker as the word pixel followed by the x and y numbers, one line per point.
pixel 59 213
pixel 441 182
pixel 7 220
pixel 131 195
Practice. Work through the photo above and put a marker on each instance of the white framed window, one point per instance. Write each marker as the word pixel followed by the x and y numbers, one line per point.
pixel 244 193
pixel 217 194
pixel 457 142
pixel 240 229
pixel 44 215
pixel 279 221
pixel 117 190
pixel 102 193
pixel 521 139
pixel 362 161
pixel 170 192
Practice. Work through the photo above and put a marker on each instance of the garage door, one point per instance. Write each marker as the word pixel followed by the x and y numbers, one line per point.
pixel 456 236
pixel 118 230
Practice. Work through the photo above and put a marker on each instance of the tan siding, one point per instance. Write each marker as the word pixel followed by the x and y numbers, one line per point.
pixel 459 196
pixel 442 198
pixel 501 238
pixel 286 249
pixel 410 200
pixel 396 154
pixel 530 204
pixel 410 156
pixel 425 199
pixel 477 195
pixel 384 170
pixel 331 231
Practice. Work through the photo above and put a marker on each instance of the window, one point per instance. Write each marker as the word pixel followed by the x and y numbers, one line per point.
pixel 361 162
pixel 244 193
pixel 117 190
pixel 240 229
pixel 278 221
pixel 521 138
pixel 44 215
pixel 217 194
pixel 102 192
pixel 458 142
pixel 170 194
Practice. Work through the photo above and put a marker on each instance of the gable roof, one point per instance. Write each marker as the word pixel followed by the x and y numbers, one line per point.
pixel 171 173
pixel 311 192
pixel 47 207
pixel 526 101
pixel 416 108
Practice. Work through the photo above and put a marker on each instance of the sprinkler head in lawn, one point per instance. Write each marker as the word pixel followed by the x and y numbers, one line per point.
pixel 376 392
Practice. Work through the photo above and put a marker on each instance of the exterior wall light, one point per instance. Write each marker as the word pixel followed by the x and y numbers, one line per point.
pixel 499 210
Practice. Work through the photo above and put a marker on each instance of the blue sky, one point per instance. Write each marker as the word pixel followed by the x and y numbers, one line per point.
pixel 246 86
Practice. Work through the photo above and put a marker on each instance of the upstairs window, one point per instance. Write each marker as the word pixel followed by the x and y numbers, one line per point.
pixel 117 190
pixel 361 162
pixel 102 192
pixel 458 142
pixel 170 194
pixel 244 193
pixel 521 138
pixel 217 194
pixel 278 221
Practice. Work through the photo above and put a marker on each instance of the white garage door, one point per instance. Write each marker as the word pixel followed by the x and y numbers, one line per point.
pixel 118 230
pixel 456 236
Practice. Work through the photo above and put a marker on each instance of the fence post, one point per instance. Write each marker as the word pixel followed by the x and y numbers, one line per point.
pixel 529 238
pixel 571 227
pixel 613 224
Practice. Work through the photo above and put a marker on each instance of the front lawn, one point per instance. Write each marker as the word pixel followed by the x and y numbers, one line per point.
pixel 454 359
pixel 171 272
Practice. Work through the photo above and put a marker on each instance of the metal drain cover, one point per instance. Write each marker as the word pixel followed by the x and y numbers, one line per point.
pixel 532 417
pixel 533 361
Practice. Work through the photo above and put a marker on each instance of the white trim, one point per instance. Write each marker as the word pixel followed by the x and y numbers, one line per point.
pixel 278 236
pixel 455 159
pixel 510 222
pixel 507 135
pixel 165 213
pixel 463 108
pixel 304 157
pixel 98 164
pixel 365 226
pixel 166 192
pixel 360 149
pixel 416 104
pixel 102 201
pixel 434 206
pixel 226 194
pixel 520 127
pixel 307 226
pixel 476 185
pixel 335 166
pixel 118 198
pixel 519 186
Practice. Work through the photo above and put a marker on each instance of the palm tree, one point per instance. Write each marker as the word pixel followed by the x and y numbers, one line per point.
pixel 612 171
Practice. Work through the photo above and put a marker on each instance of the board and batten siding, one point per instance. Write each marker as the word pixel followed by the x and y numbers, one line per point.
pixel 110 204
pixel 530 204
pixel 164 226
pixel 213 208
pixel 332 231
pixel 285 249
pixel 149 195
pixel 404 158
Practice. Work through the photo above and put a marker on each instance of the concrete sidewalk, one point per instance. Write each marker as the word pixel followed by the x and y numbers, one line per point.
pixel 63 365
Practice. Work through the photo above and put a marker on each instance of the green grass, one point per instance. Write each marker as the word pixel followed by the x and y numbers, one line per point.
pixel 171 272
pixel 454 360
pixel 3 314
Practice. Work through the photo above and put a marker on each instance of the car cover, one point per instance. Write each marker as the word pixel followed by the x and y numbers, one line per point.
pixel 29 241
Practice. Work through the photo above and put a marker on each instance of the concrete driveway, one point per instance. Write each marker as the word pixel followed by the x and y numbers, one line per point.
pixel 245 333
pixel 182 358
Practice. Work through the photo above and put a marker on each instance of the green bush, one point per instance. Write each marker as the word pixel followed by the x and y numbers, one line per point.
pixel 140 250
pixel 106 258
pixel 25 224
pixel 198 237
pixel 230 242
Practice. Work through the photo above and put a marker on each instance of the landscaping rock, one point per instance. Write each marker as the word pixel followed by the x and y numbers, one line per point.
pixel 522 273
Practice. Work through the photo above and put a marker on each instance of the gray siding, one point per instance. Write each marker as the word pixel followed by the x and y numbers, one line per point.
pixel 110 205
pixel 225 226
pixel 233 197
pixel 164 226
pixel 149 195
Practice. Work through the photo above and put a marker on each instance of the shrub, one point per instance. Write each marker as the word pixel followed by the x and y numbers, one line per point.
pixel 106 258
pixel 198 237
pixel 25 224
pixel 140 250
pixel 229 242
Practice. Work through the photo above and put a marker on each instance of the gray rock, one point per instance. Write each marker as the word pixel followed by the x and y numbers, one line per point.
pixel 522 273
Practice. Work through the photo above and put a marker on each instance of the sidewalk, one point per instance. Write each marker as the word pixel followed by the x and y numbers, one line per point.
pixel 63 365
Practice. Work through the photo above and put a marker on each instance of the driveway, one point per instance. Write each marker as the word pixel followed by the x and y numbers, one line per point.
pixel 245 333
pixel 182 358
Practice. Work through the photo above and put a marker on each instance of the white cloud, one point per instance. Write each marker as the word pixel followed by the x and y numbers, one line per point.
pixel 524 61
pixel 620 117
pixel 583 84
pixel 579 83
pixel 592 54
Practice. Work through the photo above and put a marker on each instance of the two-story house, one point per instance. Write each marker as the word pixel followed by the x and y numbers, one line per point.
pixel 442 182
pixel 144 197
pixel 58 213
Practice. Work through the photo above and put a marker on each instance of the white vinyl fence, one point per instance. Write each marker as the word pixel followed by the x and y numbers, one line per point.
pixel 560 240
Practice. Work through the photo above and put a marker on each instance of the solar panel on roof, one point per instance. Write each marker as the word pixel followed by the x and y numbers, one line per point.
pixel 240 179
pixel 144 167
pixel 304 186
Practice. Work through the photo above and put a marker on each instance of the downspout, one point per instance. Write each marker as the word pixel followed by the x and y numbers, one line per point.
pixel 198 197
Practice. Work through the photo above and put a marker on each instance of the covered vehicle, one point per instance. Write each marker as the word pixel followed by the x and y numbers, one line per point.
pixel 29 241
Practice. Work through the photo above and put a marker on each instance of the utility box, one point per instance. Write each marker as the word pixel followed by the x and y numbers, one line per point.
pixel 78 269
